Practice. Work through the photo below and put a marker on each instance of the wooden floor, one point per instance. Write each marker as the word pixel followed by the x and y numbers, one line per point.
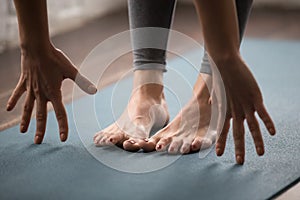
pixel 264 24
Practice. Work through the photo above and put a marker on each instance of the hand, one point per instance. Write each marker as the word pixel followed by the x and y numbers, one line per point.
pixel 42 73
pixel 243 100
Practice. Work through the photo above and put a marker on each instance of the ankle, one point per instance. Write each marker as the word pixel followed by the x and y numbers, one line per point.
pixel 202 87
pixel 149 93
pixel 144 77
pixel 149 83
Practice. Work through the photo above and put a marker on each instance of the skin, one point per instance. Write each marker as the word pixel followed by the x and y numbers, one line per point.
pixel 243 94
pixel 187 132
pixel 146 109
pixel 244 98
pixel 43 69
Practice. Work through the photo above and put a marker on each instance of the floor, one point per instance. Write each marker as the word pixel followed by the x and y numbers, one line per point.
pixel 266 24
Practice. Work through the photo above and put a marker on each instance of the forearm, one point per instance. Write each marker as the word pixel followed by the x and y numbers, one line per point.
pixel 33 24
pixel 220 28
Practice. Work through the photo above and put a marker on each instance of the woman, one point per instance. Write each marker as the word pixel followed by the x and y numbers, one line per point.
pixel 44 68
pixel 222 33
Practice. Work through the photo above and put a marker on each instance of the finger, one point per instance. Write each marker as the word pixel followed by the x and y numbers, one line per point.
pixel 264 115
pixel 256 134
pixel 41 118
pixel 239 140
pixel 82 82
pixel 221 142
pixel 221 115
pixel 17 93
pixel 61 116
pixel 27 111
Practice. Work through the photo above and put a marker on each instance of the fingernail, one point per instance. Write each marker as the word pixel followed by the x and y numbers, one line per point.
pixel 132 142
pixel 146 140
pixel 158 146
pixel 260 151
pixel 63 137
pixel 219 152
pixel 92 89
pixel 37 140
pixel 239 159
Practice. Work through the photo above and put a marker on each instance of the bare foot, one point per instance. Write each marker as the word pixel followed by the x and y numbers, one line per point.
pixel 188 131
pixel 147 109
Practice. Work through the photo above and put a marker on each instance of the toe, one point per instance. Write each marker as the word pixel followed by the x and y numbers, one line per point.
pixel 212 136
pixel 102 140
pixel 163 143
pixel 97 138
pixel 196 144
pixel 174 147
pixel 206 143
pixel 116 138
pixel 185 148
pixel 147 145
pixel 131 145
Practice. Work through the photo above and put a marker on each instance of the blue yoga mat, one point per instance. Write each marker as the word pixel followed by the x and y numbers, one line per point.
pixel 78 170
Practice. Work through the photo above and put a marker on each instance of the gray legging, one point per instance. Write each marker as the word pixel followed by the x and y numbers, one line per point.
pixel 159 13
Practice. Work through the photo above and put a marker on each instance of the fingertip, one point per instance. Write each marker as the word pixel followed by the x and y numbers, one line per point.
pixel 85 84
pixel 239 160
pixel 92 89
pixel 23 129
pixel 219 152
pixel 63 137
pixel 260 151
pixel 8 107
pixel 38 139
pixel 272 131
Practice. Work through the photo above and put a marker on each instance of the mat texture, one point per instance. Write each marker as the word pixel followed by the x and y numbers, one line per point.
pixel 57 170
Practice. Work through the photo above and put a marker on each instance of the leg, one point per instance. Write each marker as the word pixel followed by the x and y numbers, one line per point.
pixel 178 135
pixel 147 107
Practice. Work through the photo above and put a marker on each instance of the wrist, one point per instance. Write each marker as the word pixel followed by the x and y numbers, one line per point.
pixel 36 47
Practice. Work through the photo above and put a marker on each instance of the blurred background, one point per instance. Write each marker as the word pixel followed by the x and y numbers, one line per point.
pixel 77 26
pixel 69 14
